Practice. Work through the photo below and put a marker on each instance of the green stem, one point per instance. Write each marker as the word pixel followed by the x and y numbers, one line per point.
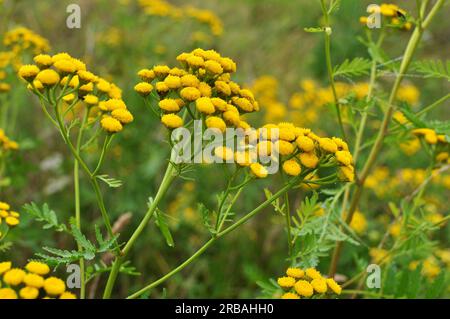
pixel 202 249
pixel 76 180
pixel 407 58
pixel 329 64
pixel 168 178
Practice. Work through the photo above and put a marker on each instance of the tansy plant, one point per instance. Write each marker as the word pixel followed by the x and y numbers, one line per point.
pixel 88 110
pixel 85 109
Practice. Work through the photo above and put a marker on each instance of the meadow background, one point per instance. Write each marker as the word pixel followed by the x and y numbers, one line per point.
pixel 265 38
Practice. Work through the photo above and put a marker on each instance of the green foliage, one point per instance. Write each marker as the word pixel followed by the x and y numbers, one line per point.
pixel 110 181
pixel 355 67
pixel 433 69
pixel 45 215
pixel 87 250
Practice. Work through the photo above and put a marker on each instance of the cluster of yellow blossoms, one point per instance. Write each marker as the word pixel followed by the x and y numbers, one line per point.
pixel 304 106
pixel 300 283
pixel 10 217
pixel 430 136
pixel 299 149
pixel 102 98
pixel 163 8
pixel 18 41
pixel 6 144
pixel 431 265
pixel 31 283
pixel 398 17
pixel 23 39
pixel 384 182
pixel 204 81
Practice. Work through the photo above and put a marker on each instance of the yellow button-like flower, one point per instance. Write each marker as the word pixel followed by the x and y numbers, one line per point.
pixel 295 272
pixel 344 157
pixel 216 123
pixel 319 285
pixel 124 116
pixel 333 285
pixel 190 93
pixel 284 148
pixel 309 160
pixel 172 121
pixel 67 295
pixel 12 221
pixel 5 266
pixel 38 268
pixel 348 173
pixel 258 170
pixel 111 125
pixel 169 105
pixel 204 105
pixel 28 72
pixel 213 67
pixel 48 77
pixel 147 75
pixel 7 293
pixel 54 286
pixel 304 288
pixel 33 280
pixel 190 80
pixel 14 277
pixel 143 88
pixel 305 143
pixel 90 99
pixel 65 66
pixel 292 168
pixel 161 70
pixel 43 60
pixel 29 293
pixel 286 282
pixel 290 295
pixel 313 273
pixel 172 82
pixel 4 206
pixel 328 145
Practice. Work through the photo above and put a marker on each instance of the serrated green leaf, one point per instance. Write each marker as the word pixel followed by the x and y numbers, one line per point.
pixel 355 67
pixel 110 181
pixel 433 69
pixel 164 228
pixel 80 238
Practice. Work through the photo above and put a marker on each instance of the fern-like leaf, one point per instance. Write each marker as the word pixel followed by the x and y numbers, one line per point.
pixel 434 69
pixel 355 67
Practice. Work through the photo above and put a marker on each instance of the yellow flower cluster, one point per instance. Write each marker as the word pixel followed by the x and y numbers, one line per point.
pixel 299 283
pixel 163 8
pixel 383 182
pixel 6 144
pixel 299 149
pixel 102 98
pixel 22 39
pixel 430 136
pixel 303 107
pixel 10 217
pixel 358 223
pixel 31 282
pixel 398 17
pixel 204 82
pixel 18 41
